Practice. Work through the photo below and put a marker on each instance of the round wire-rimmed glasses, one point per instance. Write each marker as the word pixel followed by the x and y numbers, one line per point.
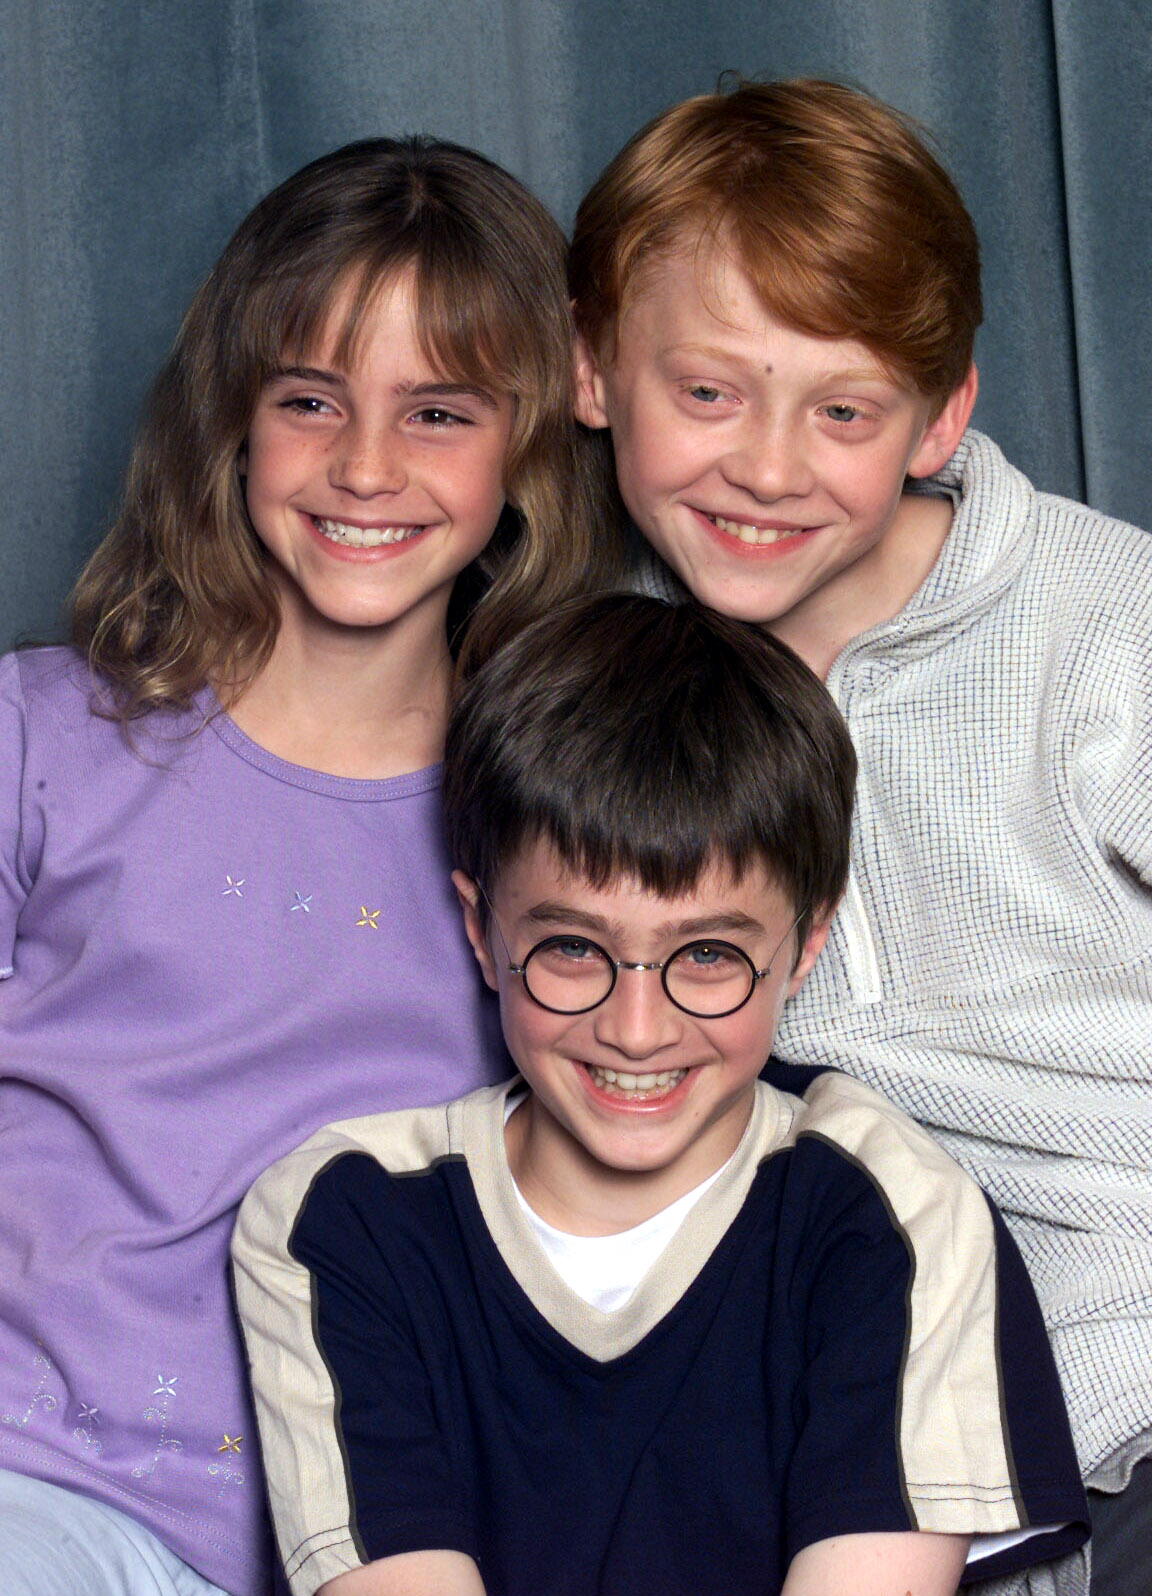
pixel 707 978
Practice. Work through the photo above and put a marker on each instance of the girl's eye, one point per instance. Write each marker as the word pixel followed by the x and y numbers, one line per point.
pixel 306 405
pixel 436 416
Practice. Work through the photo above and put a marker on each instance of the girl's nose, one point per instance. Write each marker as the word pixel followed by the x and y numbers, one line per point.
pixel 367 462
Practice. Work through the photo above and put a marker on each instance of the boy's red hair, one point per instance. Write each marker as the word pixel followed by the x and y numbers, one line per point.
pixel 847 224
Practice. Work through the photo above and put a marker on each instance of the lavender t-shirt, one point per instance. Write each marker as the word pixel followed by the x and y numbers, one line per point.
pixel 209 953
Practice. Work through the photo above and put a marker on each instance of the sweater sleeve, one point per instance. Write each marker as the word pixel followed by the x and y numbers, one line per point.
pixel 1102 713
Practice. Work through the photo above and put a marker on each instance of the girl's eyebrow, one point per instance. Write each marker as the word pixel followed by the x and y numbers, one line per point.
pixel 409 390
pixel 447 390
pixel 305 374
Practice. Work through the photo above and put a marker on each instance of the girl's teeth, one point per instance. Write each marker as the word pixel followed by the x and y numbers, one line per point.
pixel 755 534
pixel 364 537
pixel 628 1084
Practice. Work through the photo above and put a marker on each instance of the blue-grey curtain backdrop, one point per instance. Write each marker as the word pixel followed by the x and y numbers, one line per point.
pixel 134 134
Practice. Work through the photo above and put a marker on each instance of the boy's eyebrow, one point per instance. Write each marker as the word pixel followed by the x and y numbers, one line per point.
pixel 874 373
pixel 553 912
pixel 409 390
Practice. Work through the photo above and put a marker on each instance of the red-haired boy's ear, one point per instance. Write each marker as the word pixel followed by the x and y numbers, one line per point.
pixel 589 385
pixel 942 435
pixel 469 894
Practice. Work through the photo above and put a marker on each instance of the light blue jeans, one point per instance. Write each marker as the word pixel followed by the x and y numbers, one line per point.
pixel 56 1542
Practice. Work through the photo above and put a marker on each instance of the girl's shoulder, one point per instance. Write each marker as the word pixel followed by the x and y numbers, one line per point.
pixel 56 710
pixel 52 682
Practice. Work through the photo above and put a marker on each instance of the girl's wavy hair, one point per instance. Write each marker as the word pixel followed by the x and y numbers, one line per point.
pixel 178 594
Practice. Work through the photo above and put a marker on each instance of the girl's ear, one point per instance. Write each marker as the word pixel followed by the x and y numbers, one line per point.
pixel 589 385
pixel 469 894
pixel 942 435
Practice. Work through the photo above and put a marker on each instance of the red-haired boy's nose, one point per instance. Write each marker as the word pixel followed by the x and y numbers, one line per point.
pixel 768 462
pixel 368 461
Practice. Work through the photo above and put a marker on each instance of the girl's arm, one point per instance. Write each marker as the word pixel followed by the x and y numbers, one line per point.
pixel 412 1574
pixel 908 1564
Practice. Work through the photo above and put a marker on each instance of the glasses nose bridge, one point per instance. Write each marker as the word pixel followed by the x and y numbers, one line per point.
pixel 637 1020
pixel 641 967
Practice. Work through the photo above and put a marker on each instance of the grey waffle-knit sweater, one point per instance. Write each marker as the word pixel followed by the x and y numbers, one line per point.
pixel 990 969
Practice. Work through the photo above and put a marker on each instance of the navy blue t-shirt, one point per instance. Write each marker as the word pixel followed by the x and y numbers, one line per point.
pixel 840 1338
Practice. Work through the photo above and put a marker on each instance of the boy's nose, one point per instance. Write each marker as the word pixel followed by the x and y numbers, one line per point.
pixel 638 1019
pixel 366 462
pixel 768 462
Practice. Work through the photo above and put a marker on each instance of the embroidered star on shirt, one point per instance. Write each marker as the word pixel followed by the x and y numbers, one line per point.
pixel 369 917
pixel 233 887
pixel 89 1415
pixel 165 1384
pixel 301 903
pixel 232 1443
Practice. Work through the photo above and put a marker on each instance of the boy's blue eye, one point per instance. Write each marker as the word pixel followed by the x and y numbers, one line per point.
pixel 574 948
pixel 706 394
pixel 841 412
pixel 702 961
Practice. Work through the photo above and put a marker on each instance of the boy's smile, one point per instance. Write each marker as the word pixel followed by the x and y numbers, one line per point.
pixel 764 464
pixel 633 1102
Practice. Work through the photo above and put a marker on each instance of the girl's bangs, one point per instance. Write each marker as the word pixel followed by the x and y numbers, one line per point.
pixel 458 319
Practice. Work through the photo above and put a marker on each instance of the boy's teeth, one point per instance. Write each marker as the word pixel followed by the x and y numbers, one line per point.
pixel 755 534
pixel 625 1082
pixel 364 537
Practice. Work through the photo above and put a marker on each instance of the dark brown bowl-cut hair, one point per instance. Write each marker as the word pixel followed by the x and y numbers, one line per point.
pixel 653 741
pixel 178 594
pixel 830 200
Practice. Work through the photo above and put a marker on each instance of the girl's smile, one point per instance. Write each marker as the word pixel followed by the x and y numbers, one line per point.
pixel 372 482
pixel 346 534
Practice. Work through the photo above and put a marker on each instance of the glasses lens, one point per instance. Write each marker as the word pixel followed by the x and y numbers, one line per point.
pixel 709 978
pixel 568 974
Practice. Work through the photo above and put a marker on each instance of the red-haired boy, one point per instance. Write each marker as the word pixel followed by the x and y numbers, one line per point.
pixel 777 290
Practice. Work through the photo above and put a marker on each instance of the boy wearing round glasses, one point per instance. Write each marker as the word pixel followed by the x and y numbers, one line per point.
pixel 642 1320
